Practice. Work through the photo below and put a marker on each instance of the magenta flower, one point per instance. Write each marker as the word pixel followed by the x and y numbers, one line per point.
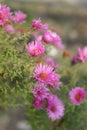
pixel 42 73
pixel 38 103
pixel 5 14
pixel 40 92
pixel 35 48
pixel 77 95
pixel 75 60
pixel 9 29
pixel 52 37
pixel 38 25
pixel 82 54
pixel 55 80
pixel 58 42
pixel 55 107
pixel 18 17
pixel 46 74
pixel 48 37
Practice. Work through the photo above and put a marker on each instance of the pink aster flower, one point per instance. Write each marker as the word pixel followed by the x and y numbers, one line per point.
pixel 46 74
pixel 9 29
pixel 48 37
pixel 4 14
pixel 40 92
pixel 58 42
pixel 82 54
pixel 55 107
pixel 55 80
pixel 77 95
pixel 37 24
pixel 19 17
pixel 52 37
pixel 38 103
pixel 43 73
pixel 35 48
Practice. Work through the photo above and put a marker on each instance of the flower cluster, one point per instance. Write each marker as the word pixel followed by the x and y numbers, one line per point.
pixel 35 48
pixel 50 102
pixel 8 18
pixel 45 77
pixel 81 56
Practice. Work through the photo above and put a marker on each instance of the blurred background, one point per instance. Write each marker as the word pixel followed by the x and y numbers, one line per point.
pixel 68 18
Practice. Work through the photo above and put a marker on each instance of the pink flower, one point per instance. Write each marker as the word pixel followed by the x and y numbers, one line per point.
pixel 55 80
pixel 55 107
pixel 82 54
pixel 9 28
pixel 19 17
pixel 38 103
pixel 77 95
pixel 48 37
pixel 58 42
pixel 4 14
pixel 38 25
pixel 50 61
pixel 47 75
pixel 52 37
pixel 43 73
pixel 40 92
pixel 35 48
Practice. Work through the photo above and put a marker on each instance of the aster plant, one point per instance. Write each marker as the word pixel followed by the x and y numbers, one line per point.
pixel 51 93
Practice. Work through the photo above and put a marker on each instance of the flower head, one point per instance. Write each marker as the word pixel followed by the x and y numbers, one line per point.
pixel 77 95
pixel 5 14
pixel 48 37
pixel 42 73
pixel 55 107
pixel 55 80
pixel 45 73
pixel 9 28
pixel 82 54
pixel 38 25
pixel 38 103
pixel 52 37
pixel 19 17
pixel 35 48
pixel 50 61
pixel 40 91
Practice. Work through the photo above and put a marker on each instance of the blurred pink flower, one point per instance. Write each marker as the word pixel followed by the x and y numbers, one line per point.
pixel 40 91
pixel 58 42
pixel 38 103
pixel 50 61
pixel 9 28
pixel 35 48
pixel 55 80
pixel 5 14
pixel 52 37
pixel 18 17
pixel 77 95
pixel 82 54
pixel 55 107
pixel 48 37
pixel 38 25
